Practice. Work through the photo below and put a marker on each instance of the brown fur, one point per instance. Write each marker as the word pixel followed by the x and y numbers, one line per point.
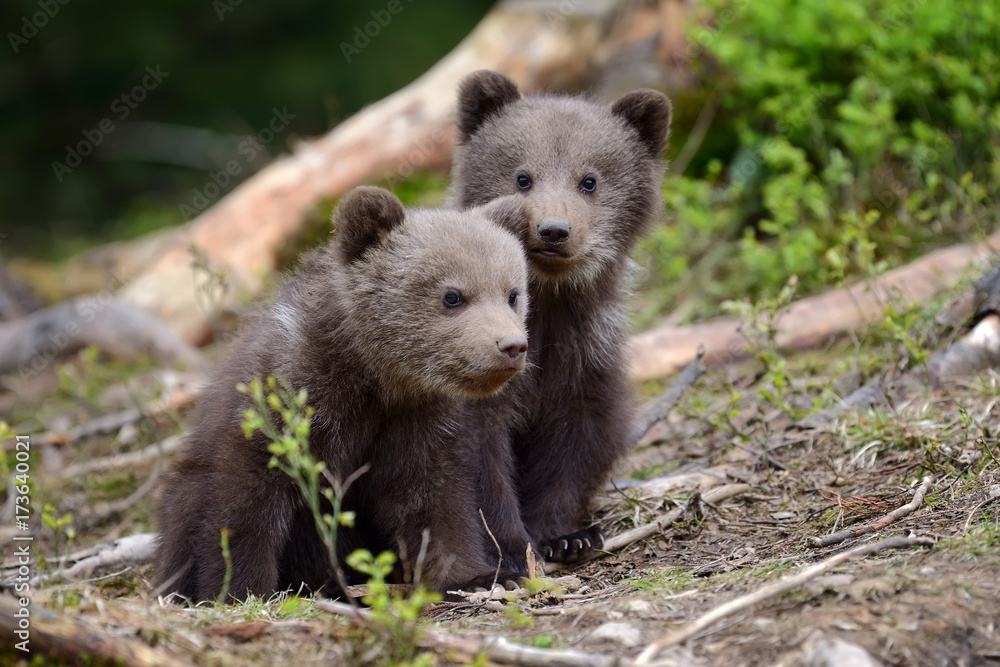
pixel 573 420
pixel 392 373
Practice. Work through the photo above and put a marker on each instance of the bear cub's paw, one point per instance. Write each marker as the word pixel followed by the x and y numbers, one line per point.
pixel 571 548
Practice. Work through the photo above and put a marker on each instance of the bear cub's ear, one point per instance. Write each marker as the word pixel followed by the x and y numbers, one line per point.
pixel 648 112
pixel 481 95
pixel 508 212
pixel 363 217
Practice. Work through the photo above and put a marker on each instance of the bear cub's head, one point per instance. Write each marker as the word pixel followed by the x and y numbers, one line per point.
pixel 589 173
pixel 435 298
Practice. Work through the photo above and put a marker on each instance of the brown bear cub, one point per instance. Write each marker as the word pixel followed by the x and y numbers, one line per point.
pixel 391 329
pixel 590 177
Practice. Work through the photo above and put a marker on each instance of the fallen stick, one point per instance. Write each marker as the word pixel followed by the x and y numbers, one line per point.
pixel 151 453
pixel 131 550
pixel 655 526
pixel 783 585
pixel 104 510
pixel 67 639
pixel 685 480
pixel 668 399
pixel 857 531
pixel 114 421
pixel 977 350
pixel 496 649
pixel 634 535
pixel 985 503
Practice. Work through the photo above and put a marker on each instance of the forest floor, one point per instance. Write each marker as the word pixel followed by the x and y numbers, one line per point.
pixel 935 603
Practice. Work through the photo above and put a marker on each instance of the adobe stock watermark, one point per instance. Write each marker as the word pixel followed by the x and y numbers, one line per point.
pixel 566 9
pixel 249 148
pixel 122 106
pixel 363 35
pixel 897 16
pixel 418 156
pixel 898 184
pixel 223 7
pixel 745 168
pixel 701 37
pixel 21 487
pixel 30 25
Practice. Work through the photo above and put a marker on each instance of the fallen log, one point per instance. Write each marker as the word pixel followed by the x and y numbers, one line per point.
pixel 30 343
pixel 808 322
pixel 413 128
pixel 16 298
pixel 977 350
pixel 54 636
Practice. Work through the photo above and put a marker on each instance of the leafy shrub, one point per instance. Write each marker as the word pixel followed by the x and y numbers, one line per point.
pixel 836 109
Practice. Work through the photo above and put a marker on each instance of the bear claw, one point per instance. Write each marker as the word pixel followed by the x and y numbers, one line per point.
pixel 571 548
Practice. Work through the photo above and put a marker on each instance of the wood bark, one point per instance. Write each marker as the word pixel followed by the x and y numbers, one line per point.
pixel 69 640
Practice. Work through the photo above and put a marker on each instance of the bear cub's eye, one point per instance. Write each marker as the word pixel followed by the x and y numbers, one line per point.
pixel 452 298
pixel 588 184
pixel 512 300
pixel 523 181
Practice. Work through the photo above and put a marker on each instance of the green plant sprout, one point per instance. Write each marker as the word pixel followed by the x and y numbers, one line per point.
pixel 289 448
pixel 760 326
pixel 61 525
pixel 228 560
pixel 393 616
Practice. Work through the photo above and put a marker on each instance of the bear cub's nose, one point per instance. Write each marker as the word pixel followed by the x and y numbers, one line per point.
pixel 553 231
pixel 514 347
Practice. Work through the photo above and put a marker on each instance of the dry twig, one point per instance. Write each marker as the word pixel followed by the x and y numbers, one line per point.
pixel 104 510
pixel 499 551
pixel 985 503
pixel 856 531
pixel 151 453
pixel 113 422
pixel 783 585
pixel 655 526
pixel 668 399
pixel 711 497
pixel 496 649
pixel 131 550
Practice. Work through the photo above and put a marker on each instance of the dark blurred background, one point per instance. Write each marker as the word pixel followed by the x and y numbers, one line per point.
pixel 224 66
pixel 836 138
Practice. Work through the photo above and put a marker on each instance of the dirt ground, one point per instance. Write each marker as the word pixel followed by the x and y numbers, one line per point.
pixel 741 424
